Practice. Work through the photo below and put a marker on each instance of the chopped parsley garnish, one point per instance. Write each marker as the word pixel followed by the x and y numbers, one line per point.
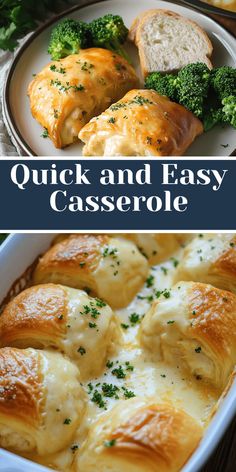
pixel 149 140
pixel 165 293
pixel 149 298
pixel 164 270
pixel 119 372
pixel 109 364
pixel 118 105
pixel 97 398
pixel 110 390
pixel 92 325
pixel 87 66
pixel 67 421
pixel 45 133
pixel 231 244
pixel 60 70
pixel 110 443
pixel 112 120
pixel 129 366
pixel 170 322
pixel 198 349
pixel 100 303
pixel 225 299
pixel 82 264
pixel 163 375
pixel 175 261
pixel 65 87
pixel 124 325
pixel 139 100
pixel 81 350
pixel 110 251
pixel 150 281
pixel 134 318
pixel 91 309
pixel 128 393
pixel 74 447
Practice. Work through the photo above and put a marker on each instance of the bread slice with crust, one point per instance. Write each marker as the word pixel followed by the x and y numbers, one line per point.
pixel 168 41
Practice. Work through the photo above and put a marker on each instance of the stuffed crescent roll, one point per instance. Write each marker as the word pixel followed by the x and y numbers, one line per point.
pixel 66 94
pixel 143 123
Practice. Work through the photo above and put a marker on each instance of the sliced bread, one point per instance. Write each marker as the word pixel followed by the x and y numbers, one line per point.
pixel 167 41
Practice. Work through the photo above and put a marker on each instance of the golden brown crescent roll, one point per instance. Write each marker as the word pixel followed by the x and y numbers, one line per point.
pixel 140 435
pixel 142 123
pixel 41 400
pixel 49 315
pixel 113 269
pixel 66 94
pixel 210 258
pixel 194 327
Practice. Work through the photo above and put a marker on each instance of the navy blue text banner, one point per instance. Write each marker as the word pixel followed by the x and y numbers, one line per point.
pixel 105 194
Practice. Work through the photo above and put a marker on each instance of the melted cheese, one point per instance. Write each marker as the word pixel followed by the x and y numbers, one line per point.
pixel 165 382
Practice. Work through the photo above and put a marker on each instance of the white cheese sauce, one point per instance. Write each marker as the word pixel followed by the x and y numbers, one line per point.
pixel 143 375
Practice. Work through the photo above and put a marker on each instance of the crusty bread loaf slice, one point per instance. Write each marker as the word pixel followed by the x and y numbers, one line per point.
pixel 167 41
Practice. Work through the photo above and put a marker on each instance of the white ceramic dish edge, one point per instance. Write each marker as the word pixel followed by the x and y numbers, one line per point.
pixel 16 254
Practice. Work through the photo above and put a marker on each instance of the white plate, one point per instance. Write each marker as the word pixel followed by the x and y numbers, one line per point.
pixel 16 254
pixel 33 56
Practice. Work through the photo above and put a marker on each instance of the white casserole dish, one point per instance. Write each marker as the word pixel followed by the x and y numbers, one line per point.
pixel 16 254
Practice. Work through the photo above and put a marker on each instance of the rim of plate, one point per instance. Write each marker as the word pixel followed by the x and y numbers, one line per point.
pixel 7 112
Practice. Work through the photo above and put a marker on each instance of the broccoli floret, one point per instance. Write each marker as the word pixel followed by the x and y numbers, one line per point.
pixel 163 84
pixel 68 37
pixel 109 32
pixel 212 117
pixel 229 110
pixel 193 85
pixel 223 81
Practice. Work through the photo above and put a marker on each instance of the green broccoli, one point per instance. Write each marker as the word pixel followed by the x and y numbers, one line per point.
pixel 229 110
pixel 163 84
pixel 193 86
pixel 68 37
pixel 109 32
pixel 212 117
pixel 223 81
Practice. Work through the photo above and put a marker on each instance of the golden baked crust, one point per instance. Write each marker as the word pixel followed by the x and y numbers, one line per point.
pixel 153 437
pixel 213 314
pixel 66 94
pixel 38 313
pixel 39 390
pixel 194 328
pixel 79 252
pixel 210 258
pixel 142 123
pixel 112 269
pixel 21 392
pixel 53 316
